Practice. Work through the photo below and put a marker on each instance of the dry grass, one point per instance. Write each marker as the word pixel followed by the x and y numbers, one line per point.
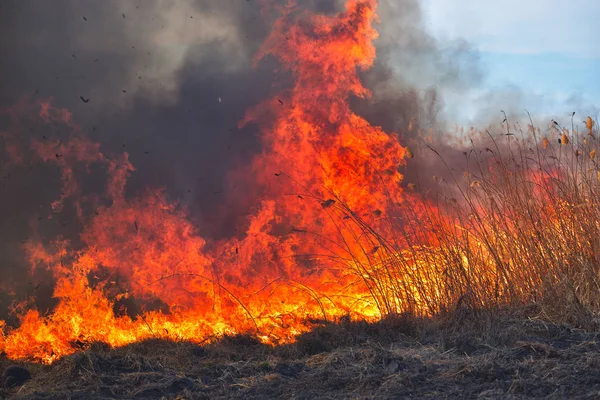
pixel 457 356
pixel 517 228
pixel 517 222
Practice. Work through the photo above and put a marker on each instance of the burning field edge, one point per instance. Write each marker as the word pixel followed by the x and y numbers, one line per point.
pixel 466 354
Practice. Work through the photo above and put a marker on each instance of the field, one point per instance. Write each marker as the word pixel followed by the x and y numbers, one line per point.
pixel 495 330
pixel 370 264
pixel 507 355
pixel 503 303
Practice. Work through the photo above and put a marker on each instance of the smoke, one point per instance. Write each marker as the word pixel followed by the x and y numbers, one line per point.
pixel 168 81
pixel 415 82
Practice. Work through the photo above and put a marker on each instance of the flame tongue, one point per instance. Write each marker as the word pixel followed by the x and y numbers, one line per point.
pixel 321 163
pixel 317 139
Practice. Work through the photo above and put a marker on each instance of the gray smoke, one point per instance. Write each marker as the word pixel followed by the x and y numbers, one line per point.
pixel 168 81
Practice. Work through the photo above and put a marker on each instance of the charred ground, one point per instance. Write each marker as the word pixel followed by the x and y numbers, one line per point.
pixel 467 354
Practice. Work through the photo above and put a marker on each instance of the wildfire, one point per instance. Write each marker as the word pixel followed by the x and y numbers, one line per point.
pixel 329 232
pixel 325 173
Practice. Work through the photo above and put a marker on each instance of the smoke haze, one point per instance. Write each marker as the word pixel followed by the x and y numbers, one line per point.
pixel 168 82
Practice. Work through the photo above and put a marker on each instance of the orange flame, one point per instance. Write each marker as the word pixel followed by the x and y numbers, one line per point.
pixel 321 166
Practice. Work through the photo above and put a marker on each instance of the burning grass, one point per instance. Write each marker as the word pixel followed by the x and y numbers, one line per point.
pixel 518 224
pixel 504 355
pixel 331 230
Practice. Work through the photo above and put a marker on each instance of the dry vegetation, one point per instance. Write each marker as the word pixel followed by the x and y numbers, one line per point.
pixel 518 229
pixel 518 224
pixel 459 356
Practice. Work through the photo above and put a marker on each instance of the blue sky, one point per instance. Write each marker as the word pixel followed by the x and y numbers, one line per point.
pixel 547 50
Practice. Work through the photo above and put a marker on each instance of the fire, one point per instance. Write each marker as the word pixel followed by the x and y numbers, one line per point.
pixel 141 269
pixel 329 231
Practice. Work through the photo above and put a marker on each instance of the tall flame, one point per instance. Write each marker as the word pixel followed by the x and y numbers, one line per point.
pixel 321 166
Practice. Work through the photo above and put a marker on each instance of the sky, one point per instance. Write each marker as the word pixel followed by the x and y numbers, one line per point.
pixel 545 53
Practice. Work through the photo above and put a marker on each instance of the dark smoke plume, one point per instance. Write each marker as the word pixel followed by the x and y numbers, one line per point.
pixel 168 83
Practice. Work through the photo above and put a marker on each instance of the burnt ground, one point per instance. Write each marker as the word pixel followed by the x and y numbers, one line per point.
pixel 462 356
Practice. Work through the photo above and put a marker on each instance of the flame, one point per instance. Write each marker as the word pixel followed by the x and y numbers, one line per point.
pixel 323 174
pixel 329 231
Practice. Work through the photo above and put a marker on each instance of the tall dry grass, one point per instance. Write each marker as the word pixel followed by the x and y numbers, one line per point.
pixel 520 224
